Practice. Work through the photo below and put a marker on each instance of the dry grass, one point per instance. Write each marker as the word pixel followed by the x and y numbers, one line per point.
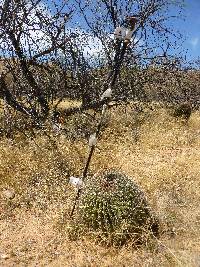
pixel 67 103
pixel 160 152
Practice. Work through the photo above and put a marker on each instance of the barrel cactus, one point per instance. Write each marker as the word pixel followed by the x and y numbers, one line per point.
pixel 113 206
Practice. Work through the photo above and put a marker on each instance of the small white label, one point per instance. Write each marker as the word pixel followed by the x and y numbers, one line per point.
pixel 76 182
pixel 92 140
pixel 107 94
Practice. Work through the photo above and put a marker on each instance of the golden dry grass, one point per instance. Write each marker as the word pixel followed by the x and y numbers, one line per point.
pixel 161 153
pixel 67 103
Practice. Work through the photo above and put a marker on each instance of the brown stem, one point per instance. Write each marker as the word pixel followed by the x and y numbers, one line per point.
pixel 118 60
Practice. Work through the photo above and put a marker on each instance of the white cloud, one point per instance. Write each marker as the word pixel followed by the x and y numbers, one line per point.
pixel 88 44
pixel 194 42
pixel 34 34
pixel 93 46
pixel 34 37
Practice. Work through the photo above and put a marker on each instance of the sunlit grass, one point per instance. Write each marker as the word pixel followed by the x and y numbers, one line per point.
pixel 67 103
pixel 159 152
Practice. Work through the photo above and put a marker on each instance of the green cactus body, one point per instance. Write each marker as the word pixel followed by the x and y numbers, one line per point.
pixel 114 205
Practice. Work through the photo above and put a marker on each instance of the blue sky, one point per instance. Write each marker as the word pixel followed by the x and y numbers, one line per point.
pixel 191 28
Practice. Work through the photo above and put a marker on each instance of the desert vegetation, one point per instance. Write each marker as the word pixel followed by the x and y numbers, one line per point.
pixel 99 149
pixel 164 162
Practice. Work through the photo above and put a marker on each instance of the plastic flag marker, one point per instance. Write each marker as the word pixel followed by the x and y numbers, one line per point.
pixel 106 94
pixel 129 34
pixel 76 182
pixel 92 140
pixel 119 33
